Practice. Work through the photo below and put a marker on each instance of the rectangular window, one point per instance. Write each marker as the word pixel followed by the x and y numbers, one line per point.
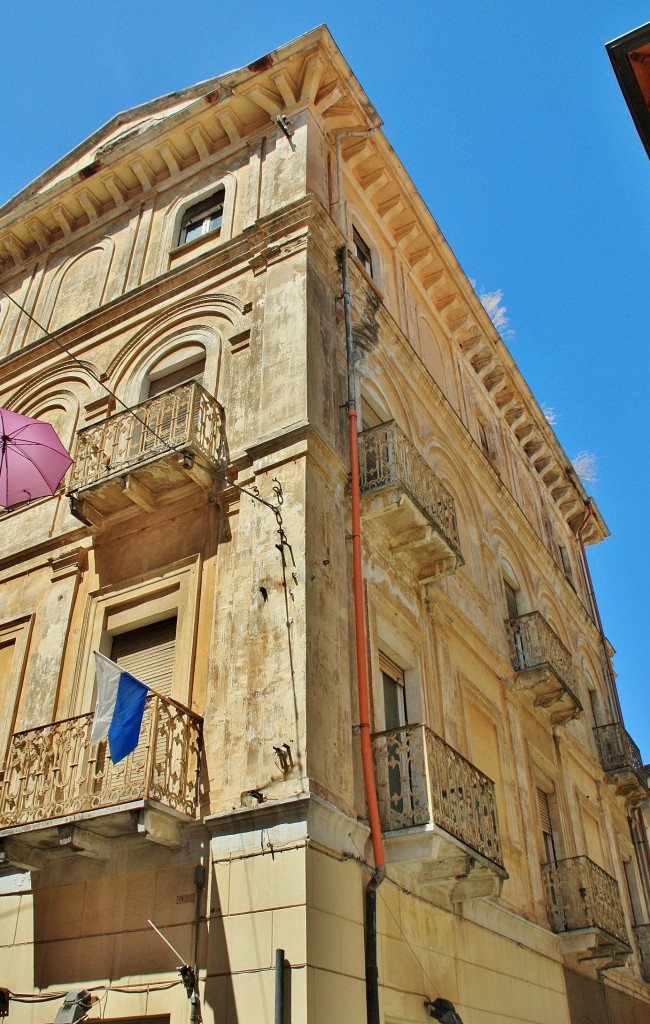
pixel 361 250
pixel 202 218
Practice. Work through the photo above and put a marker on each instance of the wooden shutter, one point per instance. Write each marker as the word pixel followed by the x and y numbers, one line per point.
pixel 148 654
pixel 544 811
pixel 182 375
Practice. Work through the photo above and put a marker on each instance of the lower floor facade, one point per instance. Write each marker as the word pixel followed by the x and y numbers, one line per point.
pixel 287 877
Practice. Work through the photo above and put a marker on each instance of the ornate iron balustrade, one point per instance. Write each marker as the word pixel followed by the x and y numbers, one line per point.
pixel 421 779
pixel 579 894
pixel 534 643
pixel 387 458
pixel 53 771
pixel 618 751
pixel 642 932
pixel 184 418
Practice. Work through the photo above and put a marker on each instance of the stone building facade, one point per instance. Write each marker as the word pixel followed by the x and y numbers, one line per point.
pixel 172 303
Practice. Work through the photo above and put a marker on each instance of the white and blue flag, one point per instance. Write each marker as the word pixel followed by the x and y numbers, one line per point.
pixel 119 708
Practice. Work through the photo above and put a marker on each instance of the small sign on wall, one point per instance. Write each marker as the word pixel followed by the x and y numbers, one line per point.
pixel 186 897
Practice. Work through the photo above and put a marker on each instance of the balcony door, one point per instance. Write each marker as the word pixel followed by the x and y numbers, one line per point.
pixel 512 606
pixel 549 835
pixel 147 652
pixel 162 421
pixel 546 803
pixel 397 743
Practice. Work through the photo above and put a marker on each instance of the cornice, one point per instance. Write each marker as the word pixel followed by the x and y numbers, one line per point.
pixel 309 72
pixel 424 384
pixel 387 188
pixel 220 121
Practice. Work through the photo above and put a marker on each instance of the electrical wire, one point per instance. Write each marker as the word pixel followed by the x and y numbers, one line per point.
pixel 37 997
pixel 156 987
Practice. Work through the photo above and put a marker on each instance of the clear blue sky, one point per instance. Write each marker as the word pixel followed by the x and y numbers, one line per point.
pixel 509 119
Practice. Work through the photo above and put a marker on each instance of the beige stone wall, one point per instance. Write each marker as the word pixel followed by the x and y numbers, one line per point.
pixel 265 649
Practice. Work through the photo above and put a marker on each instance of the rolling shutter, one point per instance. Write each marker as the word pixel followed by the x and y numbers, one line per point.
pixel 544 812
pixel 182 375
pixel 148 654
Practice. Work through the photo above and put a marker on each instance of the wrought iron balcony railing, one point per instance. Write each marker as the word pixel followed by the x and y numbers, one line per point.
pixel 387 458
pixel 53 771
pixel 618 750
pixel 185 418
pixel 421 780
pixel 642 932
pixel 535 649
pixel 579 894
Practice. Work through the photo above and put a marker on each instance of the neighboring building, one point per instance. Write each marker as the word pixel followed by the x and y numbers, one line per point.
pixel 630 57
pixel 186 262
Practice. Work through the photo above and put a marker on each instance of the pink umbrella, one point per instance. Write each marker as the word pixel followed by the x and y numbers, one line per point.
pixel 32 459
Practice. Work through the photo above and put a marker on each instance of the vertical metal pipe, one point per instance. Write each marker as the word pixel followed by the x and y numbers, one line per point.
pixel 357 571
pixel 279 985
pixel 370 925
pixel 372 969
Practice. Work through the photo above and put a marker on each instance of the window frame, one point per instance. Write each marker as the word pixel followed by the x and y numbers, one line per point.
pixel 169 590
pixel 201 213
pixel 130 659
pixel 175 376
pixel 362 252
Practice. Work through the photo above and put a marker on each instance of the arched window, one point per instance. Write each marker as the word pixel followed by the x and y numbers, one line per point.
pixel 178 367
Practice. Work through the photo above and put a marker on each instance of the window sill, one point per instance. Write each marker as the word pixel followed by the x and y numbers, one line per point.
pixel 195 247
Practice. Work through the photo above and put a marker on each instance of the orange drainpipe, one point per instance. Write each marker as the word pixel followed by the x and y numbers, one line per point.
pixel 357 570
pixel 360 634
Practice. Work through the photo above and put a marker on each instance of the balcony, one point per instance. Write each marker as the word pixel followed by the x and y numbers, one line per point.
pixel 584 905
pixel 411 507
pixel 438 812
pixel 642 933
pixel 621 760
pixel 59 792
pixel 140 456
pixel 543 666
